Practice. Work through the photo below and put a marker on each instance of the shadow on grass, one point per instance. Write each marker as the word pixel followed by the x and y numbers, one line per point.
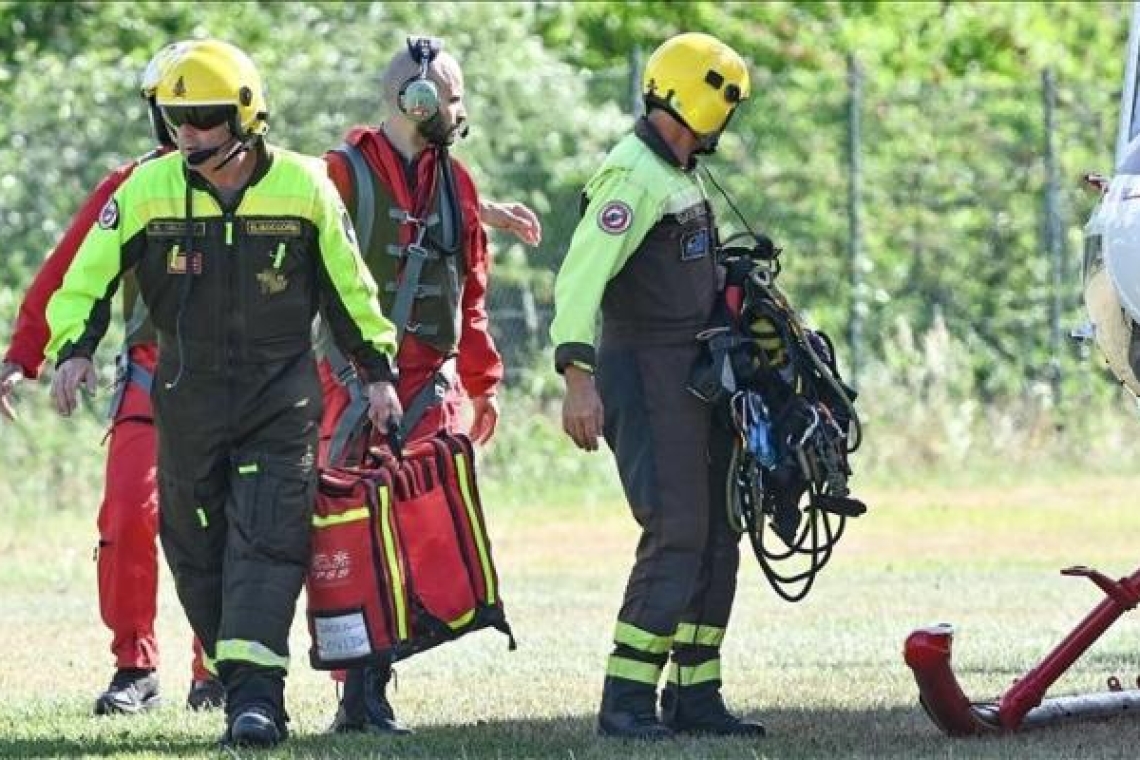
pixel 110 746
pixel 883 734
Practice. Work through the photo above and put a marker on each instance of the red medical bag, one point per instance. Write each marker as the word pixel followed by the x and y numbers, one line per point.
pixel 401 559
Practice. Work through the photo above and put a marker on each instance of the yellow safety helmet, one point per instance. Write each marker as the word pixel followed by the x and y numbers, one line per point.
pixel 698 79
pixel 151 76
pixel 158 65
pixel 209 79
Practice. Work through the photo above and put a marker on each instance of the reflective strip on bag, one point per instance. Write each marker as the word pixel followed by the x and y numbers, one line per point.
pixel 480 539
pixel 384 498
pixel 348 516
pixel 461 621
pixel 641 640
pixel 250 651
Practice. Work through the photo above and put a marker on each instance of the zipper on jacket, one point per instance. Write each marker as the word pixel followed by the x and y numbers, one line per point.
pixel 235 312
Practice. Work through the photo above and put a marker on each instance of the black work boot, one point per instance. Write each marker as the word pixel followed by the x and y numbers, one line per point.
pixel 207 694
pixel 255 725
pixel 700 709
pixel 255 705
pixel 364 706
pixel 131 691
pixel 629 711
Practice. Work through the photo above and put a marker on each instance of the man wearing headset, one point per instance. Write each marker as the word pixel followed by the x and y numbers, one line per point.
pixel 409 196
pixel 234 245
pixel 128 515
pixel 643 254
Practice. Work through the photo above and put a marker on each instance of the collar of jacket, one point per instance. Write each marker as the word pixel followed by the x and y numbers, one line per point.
pixel 648 134
pixel 264 162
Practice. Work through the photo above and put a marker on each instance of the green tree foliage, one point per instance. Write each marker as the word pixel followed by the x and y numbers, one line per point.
pixel 952 133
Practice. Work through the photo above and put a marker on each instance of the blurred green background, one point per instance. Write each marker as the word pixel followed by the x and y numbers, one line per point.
pixel 919 163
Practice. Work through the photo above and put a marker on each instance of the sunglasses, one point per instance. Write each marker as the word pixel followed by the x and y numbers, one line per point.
pixel 199 117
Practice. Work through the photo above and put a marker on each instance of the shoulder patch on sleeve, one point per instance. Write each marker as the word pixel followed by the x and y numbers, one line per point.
pixel 109 216
pixel 615 217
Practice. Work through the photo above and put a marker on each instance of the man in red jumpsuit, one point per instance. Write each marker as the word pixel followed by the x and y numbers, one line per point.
pixel 128 515
pixel 418 219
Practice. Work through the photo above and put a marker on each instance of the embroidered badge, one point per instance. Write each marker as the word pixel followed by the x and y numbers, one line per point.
pixel 271 282
pixel 274 227
pixel 695 244
pixel 178 262
pixel 615 217
pixel 172 228
pixel 109 216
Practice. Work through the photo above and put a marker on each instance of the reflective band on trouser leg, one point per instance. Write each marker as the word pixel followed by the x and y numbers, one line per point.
pixel 633 670
pixel 641 640
pixel 209 663
pixel 701 635
pixel 250 651
pixel 691 675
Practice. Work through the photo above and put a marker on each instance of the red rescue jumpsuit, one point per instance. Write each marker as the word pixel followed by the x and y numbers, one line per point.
pixel 128 515
pixel 479 366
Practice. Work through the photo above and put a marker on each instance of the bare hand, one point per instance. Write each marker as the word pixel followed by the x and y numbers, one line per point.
pixel 383 405
pixel 76 372
pixel 484 418
pixel 10 375
pixel 582 412
pixel 516 218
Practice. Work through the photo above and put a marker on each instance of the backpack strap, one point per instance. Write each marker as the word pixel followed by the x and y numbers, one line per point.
pixel 364 218
pixel 415 254
pixel 363 193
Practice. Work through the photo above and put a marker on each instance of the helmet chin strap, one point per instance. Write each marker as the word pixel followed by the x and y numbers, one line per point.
pixel 199 157
pixel 706 144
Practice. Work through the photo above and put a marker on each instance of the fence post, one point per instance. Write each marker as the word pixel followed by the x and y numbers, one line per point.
pixel 858 307
pixel 636 103
pixel 1053 241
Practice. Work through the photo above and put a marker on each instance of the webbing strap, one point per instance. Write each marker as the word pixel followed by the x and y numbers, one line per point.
pixel 364 194
pixel 128 372
pixel 351 422
pixel 428 396
pixel 414 260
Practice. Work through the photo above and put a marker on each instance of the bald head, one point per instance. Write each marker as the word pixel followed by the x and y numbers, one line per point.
pixel 443 71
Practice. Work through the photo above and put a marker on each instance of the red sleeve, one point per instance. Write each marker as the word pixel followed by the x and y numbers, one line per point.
pixel 339 174
pixel 479 364
pixel 30 336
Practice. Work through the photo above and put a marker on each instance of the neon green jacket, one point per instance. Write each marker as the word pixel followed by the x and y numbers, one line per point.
pixel 237 284
pixel 642 255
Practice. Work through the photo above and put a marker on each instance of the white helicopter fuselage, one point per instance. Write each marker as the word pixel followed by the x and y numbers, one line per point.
pixel 1112 277
pixel 1111 271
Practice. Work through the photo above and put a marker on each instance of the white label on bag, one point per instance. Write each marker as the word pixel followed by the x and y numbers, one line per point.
pixel 343 637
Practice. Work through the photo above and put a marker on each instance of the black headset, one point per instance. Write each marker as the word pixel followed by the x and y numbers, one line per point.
pixel 419 97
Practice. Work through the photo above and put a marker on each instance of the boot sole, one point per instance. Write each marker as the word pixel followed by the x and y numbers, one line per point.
pixel 107 707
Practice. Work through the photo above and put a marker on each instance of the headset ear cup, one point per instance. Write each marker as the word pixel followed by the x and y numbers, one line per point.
pixel 419 100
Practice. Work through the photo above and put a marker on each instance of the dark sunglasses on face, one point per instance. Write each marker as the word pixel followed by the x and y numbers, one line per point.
pixel 199 117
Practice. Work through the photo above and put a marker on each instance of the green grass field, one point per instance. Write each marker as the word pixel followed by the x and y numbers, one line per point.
pixel 826 676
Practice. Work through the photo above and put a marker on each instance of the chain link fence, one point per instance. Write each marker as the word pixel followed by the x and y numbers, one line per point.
pixel 946 202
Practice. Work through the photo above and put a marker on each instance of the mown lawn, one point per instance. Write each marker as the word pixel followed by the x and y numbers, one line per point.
pixel 826 676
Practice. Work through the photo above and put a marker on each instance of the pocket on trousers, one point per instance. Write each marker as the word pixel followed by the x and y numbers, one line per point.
pixel 273 506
